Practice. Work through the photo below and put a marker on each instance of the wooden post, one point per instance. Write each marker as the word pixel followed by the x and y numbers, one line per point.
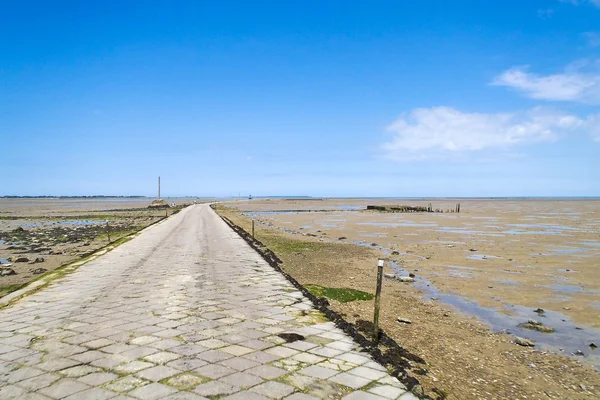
pixel 252 229
pixel 108 232
pixel 377 301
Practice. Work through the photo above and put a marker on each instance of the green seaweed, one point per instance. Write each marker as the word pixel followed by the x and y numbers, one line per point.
pixel 343 295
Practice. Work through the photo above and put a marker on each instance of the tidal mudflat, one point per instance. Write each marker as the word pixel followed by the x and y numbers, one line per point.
pixel 38 235
pixel 499 261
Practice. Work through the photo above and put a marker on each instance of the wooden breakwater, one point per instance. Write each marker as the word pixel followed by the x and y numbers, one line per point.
pixel 411 209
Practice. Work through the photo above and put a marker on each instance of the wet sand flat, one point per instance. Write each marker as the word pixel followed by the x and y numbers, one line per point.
pixel 506 257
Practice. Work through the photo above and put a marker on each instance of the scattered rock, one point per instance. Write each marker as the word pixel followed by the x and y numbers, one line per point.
pixel 404 320
pixel 593 346
pixel 39 260
pixel 5 271
pixel 391 276
pixel 38 271
pixel 374 244
pixel 86 243
pixel 578 353
pixel 342 238
pixel 524 342
pixel 539 311
pixel 566 308
pixel 291 337
pixel 22 259
pixel 411 275
pixel 536 326
pixel 418 391
pixel 405 279
pixel 472 249
pixel 395 253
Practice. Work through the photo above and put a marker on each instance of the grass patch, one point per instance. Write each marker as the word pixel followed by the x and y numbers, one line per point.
pixel 343 295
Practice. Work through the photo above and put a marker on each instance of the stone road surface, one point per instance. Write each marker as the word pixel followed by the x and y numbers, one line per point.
pixel 186 310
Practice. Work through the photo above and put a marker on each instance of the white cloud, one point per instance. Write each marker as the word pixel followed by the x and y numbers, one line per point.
pixel 579 82
pixel 447 132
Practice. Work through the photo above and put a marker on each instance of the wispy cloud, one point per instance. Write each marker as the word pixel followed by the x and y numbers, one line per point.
pixel 579 82
pixel 442 132
pixel 579 2
pixel 593 38
pixel 545 13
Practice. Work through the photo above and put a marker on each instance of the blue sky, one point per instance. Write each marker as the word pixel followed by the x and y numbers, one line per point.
pixel 322 98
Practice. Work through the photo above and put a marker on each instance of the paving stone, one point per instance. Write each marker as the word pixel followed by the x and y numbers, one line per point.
pixel 185 381
pixel 126 384
pixel 92 394
pixel 152 391
pixel 162 357
pixel 318 372
pixel 187 363
pixel 281 352
pixel 21 374
pixel 368 373
pixel 236 350
pixel 214 371
pixel 184 396
pixel 12 392
pixel 239 363
pixel 245 396
pixel 63 388
pixel 353 381
pixel 88 356
pixel 57 364
pixel 242 380
pixel 267 371
pixel 133 366
pixel 144 340
pixel 273 390
pixel 301 396
pixel 215 388
pixel 78 371
pixel 98 378
pixel 39 382
pixel 187 349
pixel 157 373
pixel 308 358
pixel 261 357
pixel 387 391
pixel 212 343
pixel 362 396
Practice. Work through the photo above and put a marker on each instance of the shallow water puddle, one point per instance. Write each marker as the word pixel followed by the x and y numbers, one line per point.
pixel 567 336
pixel 78 222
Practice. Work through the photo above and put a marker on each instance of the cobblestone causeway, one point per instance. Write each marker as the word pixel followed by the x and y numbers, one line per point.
pixel 186 310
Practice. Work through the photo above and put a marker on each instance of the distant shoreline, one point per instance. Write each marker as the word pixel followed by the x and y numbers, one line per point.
pixel 318 198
